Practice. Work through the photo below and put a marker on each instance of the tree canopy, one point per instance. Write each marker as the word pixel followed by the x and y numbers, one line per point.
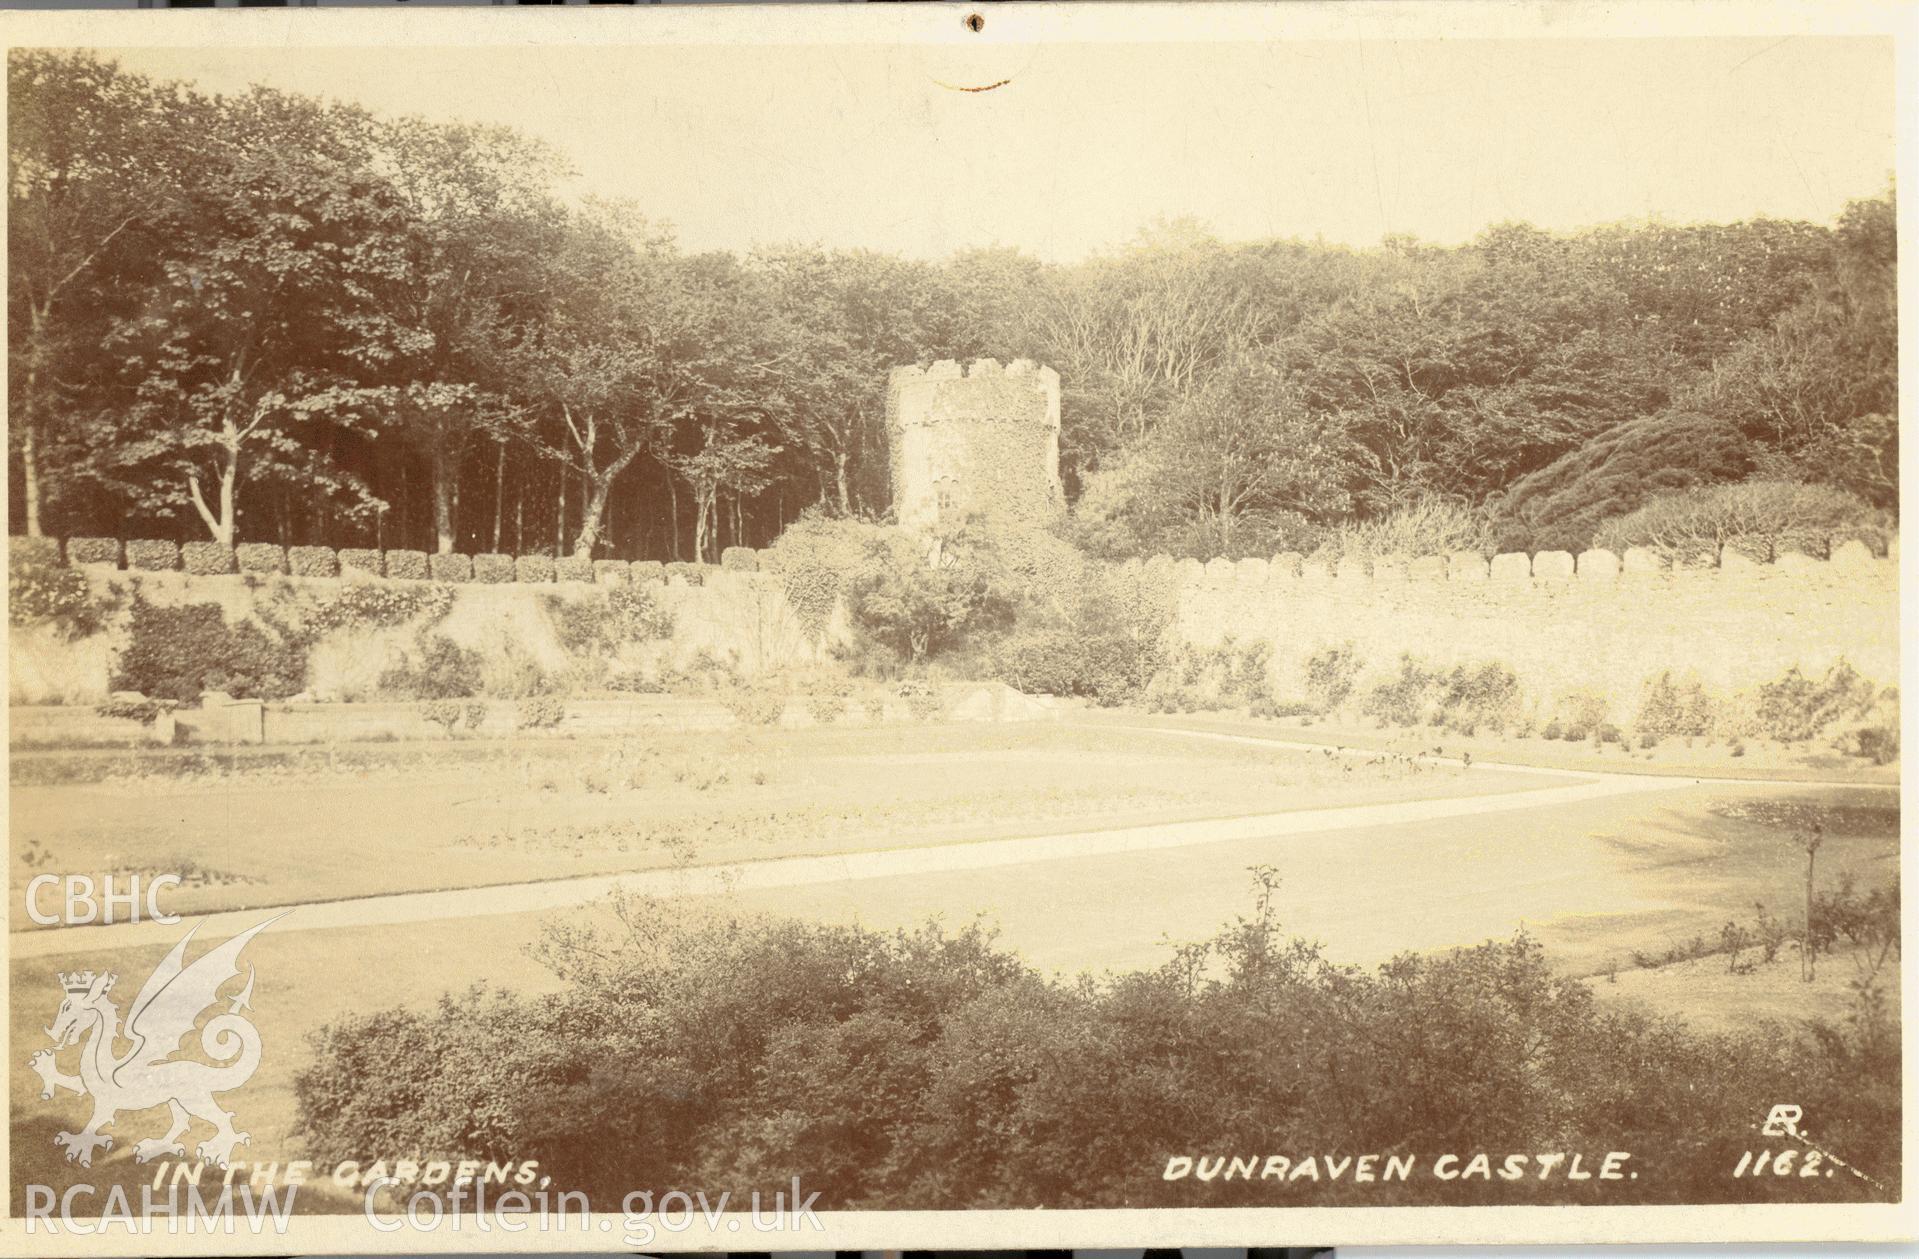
pixel 266 317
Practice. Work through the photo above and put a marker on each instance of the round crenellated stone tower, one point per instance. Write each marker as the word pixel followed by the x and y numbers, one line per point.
pixel 983 441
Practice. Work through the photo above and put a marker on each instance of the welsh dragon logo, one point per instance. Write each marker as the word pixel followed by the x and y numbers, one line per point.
pixel 168 1007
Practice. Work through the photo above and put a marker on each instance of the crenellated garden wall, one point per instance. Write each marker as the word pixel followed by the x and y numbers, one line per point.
pixel 1560 621
pixel 730 609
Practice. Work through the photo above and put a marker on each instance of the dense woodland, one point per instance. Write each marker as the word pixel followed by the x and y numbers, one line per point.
pixel 270 318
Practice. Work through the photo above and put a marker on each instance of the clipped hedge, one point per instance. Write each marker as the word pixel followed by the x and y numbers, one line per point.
pixel 406 565
pixel 24 550
pixel 572 568
pixel 691 574
pixel 740 559
pixel 493 568
pixel 611 572
pixel 533 568
pixel 93 551
pixel 207 559
pixel 450 568
pixel 261 557
pixel 361 561
pixel 313 561
pixel 150 555
pixel 643 572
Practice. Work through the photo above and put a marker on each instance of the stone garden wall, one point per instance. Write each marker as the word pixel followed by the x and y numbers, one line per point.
pixel 1560 621
pixel 729 609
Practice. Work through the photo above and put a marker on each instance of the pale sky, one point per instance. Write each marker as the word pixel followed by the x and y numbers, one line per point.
pixel 1087 143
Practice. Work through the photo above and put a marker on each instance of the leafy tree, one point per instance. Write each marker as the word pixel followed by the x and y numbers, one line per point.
pixel 1559 506
pixel 1241 462
pixel 631 349
pixel 270 314
pixel 1763 518
pixel 475 200
pixel 91 171
pixel 915 605
pixel 839 323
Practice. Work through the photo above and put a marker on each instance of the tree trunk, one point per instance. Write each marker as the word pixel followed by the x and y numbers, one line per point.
pixel 841 484
pixel 499 495
pixel 29 424
pixel 220 525
pixel 702 510
pixel 673 496
pixel 228 476
pixel 30 462
pixel 589 534
pixel 443 473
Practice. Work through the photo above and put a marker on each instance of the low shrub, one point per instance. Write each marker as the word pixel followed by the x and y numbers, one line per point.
pixel 602 623
pixel 444 713
pixel 1878 744
pixel 1475 696
pixel 509 671
pixel 922 698
pixel 640 615
pixel 1042 662
pixel 145 711
pixel 1866 920
pixel 175 653
pixel 1405 699
pixel 534 569
pixel 703 674
pixel 379 607
pixel 1275 709
pixel 449 567
pixel 407 565
pixel 260 557
pixel 493 569
pixel 313 561
pixel 1208 679
pixel 45 592
pixel 540 712
pixel 361 560
pixel 756 703
pixel 740 559
pixel 34 550
pixel 633 682
pixel 612 572
pixel 1582 712
pixel 207 559
pixel 1679 708
pixel 94 551
pixel 1330 675
pixel 646 572
pixel 825 691
pixel 149 555
pixel 689 574
pixel 439 668
pixel 573 568
pixel 1795 708
pixel 871 1063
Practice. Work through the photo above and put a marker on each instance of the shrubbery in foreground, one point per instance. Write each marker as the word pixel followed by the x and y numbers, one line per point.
pixel 929 1069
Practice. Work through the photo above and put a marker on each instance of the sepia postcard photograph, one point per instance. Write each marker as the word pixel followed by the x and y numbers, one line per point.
pixel 924 627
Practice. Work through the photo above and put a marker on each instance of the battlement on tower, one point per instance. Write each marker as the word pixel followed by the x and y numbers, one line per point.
pixel 978 440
